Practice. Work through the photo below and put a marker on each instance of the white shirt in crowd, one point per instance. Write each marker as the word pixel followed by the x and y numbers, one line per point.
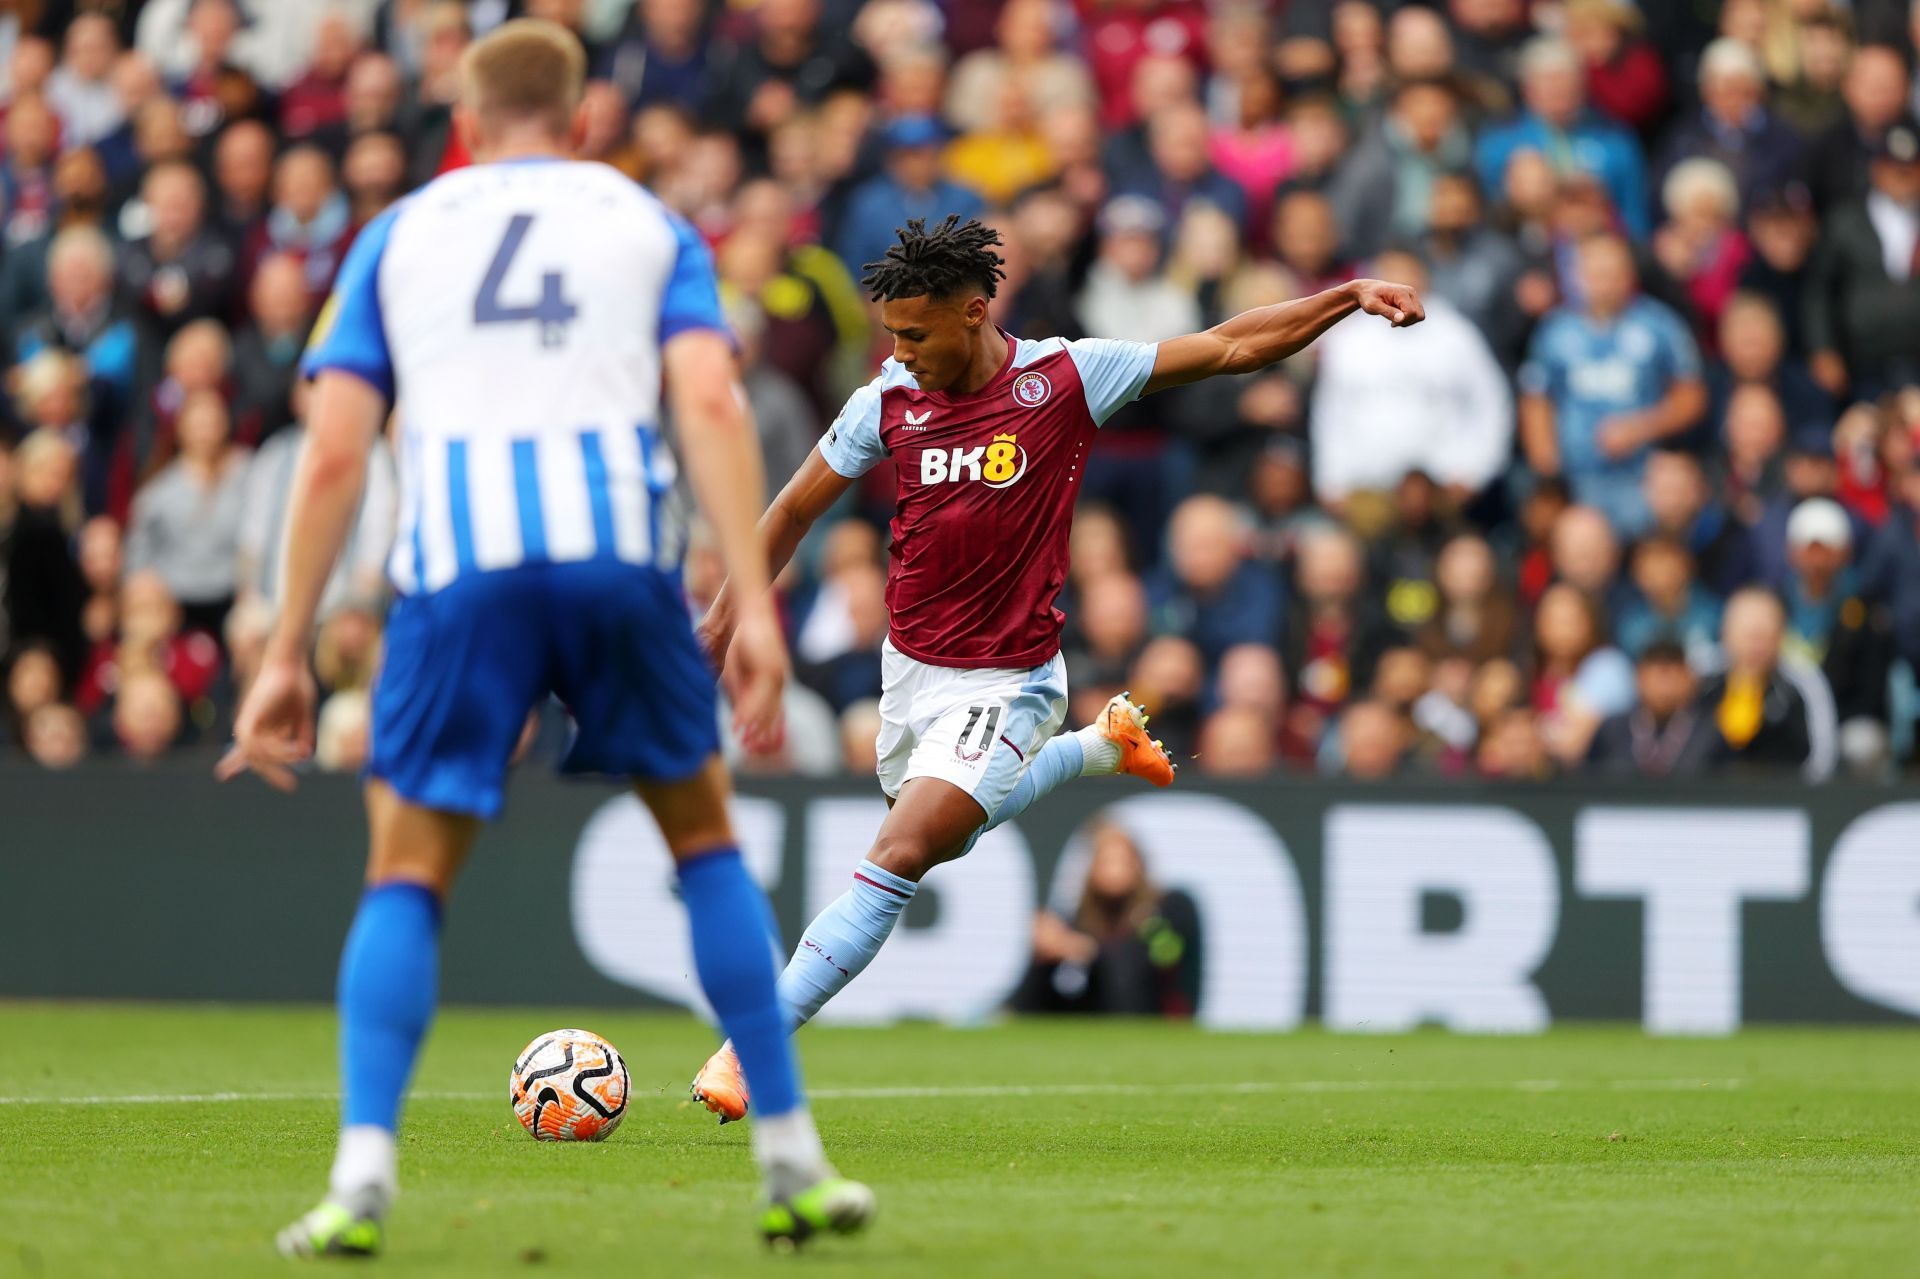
pixel 1389 401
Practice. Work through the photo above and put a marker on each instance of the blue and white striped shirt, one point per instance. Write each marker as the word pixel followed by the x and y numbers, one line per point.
pixel 515 315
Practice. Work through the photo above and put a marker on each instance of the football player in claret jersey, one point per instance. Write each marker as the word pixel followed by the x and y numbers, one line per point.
pixel 523 313
pixel 989 435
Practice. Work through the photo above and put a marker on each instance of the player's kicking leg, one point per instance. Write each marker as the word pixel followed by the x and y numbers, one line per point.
pixel 933 820
pixel 730 922
pixel 389 981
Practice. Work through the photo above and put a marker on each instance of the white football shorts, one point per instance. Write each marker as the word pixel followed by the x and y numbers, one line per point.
pixel 977 729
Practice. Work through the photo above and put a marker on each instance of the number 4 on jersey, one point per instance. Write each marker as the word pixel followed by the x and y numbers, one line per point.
pixel 552 311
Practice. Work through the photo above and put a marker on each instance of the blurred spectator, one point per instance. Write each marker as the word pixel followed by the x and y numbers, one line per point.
pixel 243 180
pixel 1168 678
pixel 1130 947
pixel 1335 632
pixel 84 322
pixel 1210 591
pixel 1666 734
pixel 1374 741
pixel 1236 741
pixel 186 520
pixel 1306 237
pixel 1809 469
pixel 1111 627
pixel 1557 124
pixel 1026 51
pixel 1474 265
pixel 1384 191
pixel 1753 352
pixel 310 221
pixel 81 88
pixel 838 649
pixel 1734 125
pixel 102 561
pixel 374 173
pixel 1783 232
pixel 1181 169
pixel 1605 382
pixel 1513 748
pixel 661 56
pixel 1875 92
pixel 26 173
pixel 1430 399
pixel 146 715
pixel 1701 245
pixel 1579 679
pixel 1626 79
pixel 1755 431
pixel 1006 155
pixel 340 736
pixel 266 353
pixel 792 60
pixel 41 590
pixel 1669 605
pixel 1540 514
pixel 179 270
pixel 56 737
pixel 1129 295
pixel 1585 554
pixel 911 187
pixel 1762 715
pixel 1681 506
pixel 782 414
pixel 859 731
pixel 359 579
pixel 317 98
pixel 1474 617
pixel 1832 625
pixel 1863 297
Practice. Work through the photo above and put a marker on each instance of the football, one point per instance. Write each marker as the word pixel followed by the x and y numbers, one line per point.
pixel 569 1085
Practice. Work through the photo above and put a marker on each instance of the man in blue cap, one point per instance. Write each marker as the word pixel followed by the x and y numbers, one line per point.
pixel 913 186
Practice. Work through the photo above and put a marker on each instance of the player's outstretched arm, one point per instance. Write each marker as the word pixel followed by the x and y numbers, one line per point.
pixel 722 457
pixel 274 728
pixel 812 491
pixel 1254 339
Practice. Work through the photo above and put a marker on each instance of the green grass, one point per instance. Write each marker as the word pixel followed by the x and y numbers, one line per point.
pixel 1590 1151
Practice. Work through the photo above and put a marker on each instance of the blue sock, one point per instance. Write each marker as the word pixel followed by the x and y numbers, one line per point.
pixel 389 979
pixel 730 921
pixel 842 941
pixel 1060 760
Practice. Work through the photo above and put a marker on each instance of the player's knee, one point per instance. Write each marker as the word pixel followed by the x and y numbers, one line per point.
pixel 903 854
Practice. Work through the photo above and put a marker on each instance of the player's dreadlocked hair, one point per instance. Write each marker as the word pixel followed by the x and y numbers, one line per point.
pixel 937 262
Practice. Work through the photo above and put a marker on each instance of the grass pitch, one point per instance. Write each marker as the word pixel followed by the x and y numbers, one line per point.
pixel 1036 1148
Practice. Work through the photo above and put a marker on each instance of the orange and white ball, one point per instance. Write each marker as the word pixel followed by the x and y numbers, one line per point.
pixel 569 1085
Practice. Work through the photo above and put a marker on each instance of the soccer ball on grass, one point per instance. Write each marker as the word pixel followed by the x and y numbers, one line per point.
pixel 569 1085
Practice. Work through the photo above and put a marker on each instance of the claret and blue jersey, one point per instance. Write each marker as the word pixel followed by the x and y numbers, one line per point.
pixel 515 316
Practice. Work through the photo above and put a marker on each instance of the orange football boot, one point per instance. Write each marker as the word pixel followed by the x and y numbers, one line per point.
pixel 1124 723
pixel 721 1086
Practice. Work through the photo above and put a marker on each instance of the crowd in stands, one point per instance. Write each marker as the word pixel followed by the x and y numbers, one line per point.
pixel 1640 496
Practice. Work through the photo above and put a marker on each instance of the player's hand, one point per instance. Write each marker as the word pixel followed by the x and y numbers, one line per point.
pixel 274 729
pixel 1399 304
pixel 756 676
pixel 715 633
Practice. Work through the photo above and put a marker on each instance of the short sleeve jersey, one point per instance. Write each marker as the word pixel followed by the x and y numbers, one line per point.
pixel 987 483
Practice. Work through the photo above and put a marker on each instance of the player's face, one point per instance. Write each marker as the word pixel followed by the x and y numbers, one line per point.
pixel 933 337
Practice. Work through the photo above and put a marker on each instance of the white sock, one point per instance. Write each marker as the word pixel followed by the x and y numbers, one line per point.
pixel 1099 757
pixel 366 1169
pixel 787 1148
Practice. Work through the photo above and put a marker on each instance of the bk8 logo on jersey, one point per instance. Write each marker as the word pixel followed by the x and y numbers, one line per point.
pixel 996 465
